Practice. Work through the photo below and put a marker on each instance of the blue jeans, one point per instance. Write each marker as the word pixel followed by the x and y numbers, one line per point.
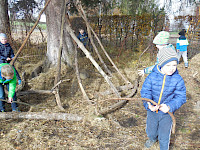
pixel 2 96
pixel 184 55
pixel 159 127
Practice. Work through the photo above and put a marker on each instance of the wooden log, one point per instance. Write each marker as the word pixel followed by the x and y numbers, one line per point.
pixel 40 115
pixel 122 102
pixel 34 92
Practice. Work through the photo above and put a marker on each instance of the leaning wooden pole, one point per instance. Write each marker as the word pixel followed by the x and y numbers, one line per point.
pixel 29 34
pixel 88 55
pixel 102 46
pixel 57 77
pixel 79 8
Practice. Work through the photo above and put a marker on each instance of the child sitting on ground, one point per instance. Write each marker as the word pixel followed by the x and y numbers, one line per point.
pixel 166 87
pixel 8 78
pixel 6 53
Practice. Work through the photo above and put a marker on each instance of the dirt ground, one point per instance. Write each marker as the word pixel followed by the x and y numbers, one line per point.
pixel 121 130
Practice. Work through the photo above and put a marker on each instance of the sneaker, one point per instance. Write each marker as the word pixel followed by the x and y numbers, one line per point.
pixel 149 143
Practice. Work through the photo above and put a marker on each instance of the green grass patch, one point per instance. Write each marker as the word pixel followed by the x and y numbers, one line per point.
pixel 20 23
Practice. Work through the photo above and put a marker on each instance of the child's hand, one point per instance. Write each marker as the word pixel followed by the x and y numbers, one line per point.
pixel 164 108
pixel 153 108
pixel 141 72
pixel 10 99
pixel 19 82
pixel 8 59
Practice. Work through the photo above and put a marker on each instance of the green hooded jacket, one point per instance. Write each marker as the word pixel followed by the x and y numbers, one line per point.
pixel 12 83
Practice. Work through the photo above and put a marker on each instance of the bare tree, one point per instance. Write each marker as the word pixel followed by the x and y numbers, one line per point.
pixel 4 19
pixel 53 20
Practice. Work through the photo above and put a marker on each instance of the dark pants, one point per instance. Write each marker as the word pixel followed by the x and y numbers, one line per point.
pixel 159 127
pixel 2 96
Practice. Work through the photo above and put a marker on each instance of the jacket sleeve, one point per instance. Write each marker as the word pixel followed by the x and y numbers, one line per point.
pixel 146 91
pixel 179 98
pixel 148 70
pixel 2 57
pixel 11 53
pixel 177 44
pixel 12 87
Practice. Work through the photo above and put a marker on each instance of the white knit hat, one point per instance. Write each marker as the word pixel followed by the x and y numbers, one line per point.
pixel 166 55
pixel 3 35
pixel 161 38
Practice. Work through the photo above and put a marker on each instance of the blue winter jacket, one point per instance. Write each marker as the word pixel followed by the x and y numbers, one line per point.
pixel 5 52
pixel 182 43
pixel 174 92
pixel 83 38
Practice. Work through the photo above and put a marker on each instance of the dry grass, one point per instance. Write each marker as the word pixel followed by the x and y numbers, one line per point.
pixel 124 130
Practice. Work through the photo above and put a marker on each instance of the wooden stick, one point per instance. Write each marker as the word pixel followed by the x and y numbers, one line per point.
pixel 40 115
pixel 27 37
pixel 57 77
pixel 120 103
pixel 82 13
pixel 148 100
pixel 79 79
pixel 101 45
pixel 88 55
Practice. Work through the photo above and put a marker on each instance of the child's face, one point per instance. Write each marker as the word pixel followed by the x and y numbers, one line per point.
pixel 169 68
pixel 3 40
pixel 81 31
pixel 8 77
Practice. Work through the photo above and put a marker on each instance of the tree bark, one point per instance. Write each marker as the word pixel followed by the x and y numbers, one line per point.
pixel 4 18
pixel 53 21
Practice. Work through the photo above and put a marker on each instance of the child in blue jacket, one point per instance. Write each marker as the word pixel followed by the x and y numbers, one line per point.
pixel 6 53
pixel 181 46
pixel 166 87
pixel 83 37
pixel 161 41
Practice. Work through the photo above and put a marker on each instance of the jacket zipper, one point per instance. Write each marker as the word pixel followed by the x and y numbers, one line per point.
pixel 163 85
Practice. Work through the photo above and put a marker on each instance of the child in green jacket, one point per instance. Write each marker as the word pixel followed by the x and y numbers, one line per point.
pixel 9 79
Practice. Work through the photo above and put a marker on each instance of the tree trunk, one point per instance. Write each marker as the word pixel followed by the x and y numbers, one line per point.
pixel 4 19
pixel 53 21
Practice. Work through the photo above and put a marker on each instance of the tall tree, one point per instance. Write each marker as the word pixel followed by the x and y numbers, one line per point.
pixel 53 21
pixel 4 19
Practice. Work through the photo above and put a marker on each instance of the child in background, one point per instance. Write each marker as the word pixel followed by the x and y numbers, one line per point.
pixel 161 41
pixel 181 46
pixel 8 78
pixel 83 37
pixel 6 53
pixel 166 87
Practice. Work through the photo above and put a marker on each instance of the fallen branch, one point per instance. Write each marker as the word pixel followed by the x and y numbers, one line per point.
pixel 34 92
pixel 57 84
pixel 40 115
pixel 149 100
pixel 120 103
